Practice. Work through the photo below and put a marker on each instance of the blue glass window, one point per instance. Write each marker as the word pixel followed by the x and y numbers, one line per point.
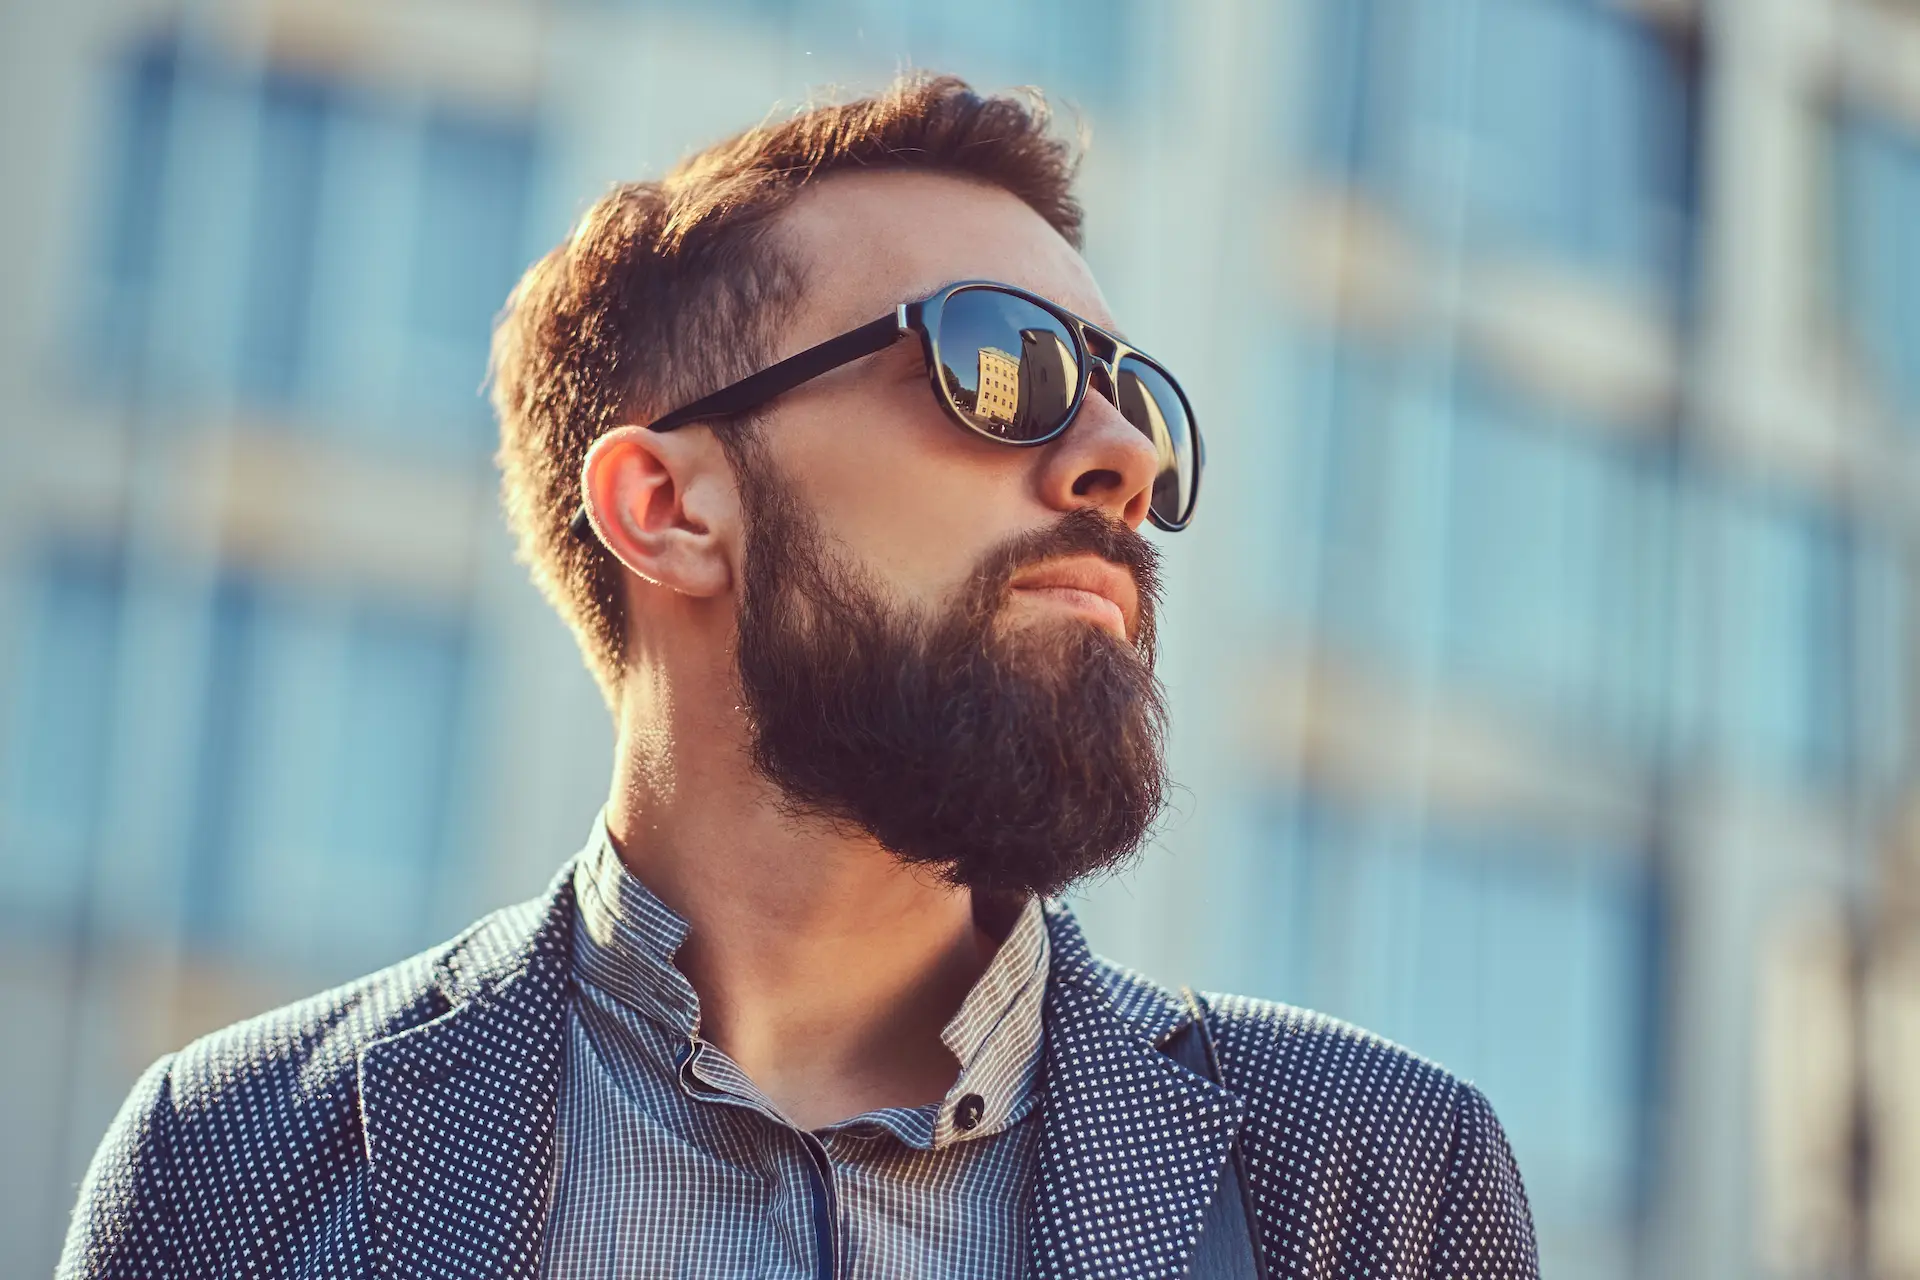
pixel 1522 590
pixel 328 765
pixel 1348 104
pixel 1563 126
pixel 1522 967
pixel 142 116
pixel 1076 48
pixel 400 718
pixel 62 709
pixel 293 114
pixel 475 174
pixel 1878 176
pixel 286 173
pixel 1883 679
pixel 1560 544
pixel 1366 469
pixel 1534 554
pixel 1779 656
pixel 226 753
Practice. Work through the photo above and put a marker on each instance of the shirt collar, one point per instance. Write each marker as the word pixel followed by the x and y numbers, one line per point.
pixel 997 1036
pixel 628 939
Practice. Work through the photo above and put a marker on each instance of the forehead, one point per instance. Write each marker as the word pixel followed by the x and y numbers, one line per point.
pixel 868 241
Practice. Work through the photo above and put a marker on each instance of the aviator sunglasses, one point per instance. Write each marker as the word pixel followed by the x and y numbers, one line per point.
pixel 1007 365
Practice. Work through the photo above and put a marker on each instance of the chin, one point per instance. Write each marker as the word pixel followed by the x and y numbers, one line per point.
pixel 1063 646
pixel 1021 617
pixel 1021 613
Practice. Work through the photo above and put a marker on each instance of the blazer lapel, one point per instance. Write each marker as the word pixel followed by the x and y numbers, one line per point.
pixel 459 1113
pixel 1133 1144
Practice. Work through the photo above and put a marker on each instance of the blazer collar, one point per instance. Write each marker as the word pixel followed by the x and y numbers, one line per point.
pixel 458 1113
pixel 1133 1144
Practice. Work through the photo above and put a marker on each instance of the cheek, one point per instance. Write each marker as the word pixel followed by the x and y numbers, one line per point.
pixel 917 501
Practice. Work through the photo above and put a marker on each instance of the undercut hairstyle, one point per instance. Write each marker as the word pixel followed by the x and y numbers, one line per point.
pixel 666 291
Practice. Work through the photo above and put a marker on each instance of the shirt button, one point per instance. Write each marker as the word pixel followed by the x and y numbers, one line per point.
pixel 967 1112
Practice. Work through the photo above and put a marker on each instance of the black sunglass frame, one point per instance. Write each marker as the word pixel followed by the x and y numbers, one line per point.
pixel 1095 350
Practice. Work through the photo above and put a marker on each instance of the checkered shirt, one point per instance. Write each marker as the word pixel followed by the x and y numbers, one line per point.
pixel 669 1161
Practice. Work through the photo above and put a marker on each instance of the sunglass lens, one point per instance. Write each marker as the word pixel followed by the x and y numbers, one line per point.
pixel 1151 402
pixel 1009 365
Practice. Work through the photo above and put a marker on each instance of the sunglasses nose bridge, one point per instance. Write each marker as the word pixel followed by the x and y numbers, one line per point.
pixel 1102 379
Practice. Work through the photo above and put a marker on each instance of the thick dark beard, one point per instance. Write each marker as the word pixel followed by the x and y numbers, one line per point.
pixel 1008 759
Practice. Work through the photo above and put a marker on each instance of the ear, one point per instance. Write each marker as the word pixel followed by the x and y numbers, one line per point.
pixel 664 503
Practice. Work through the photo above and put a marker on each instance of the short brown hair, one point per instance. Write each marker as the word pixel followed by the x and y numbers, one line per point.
pixel 667 290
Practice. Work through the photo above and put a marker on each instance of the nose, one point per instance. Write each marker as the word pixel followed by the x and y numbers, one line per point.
pixel 1101 460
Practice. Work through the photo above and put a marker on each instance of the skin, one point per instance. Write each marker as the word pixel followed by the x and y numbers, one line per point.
pixel 825 969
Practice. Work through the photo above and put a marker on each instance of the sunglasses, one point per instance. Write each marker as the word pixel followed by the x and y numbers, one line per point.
pixel 1007 365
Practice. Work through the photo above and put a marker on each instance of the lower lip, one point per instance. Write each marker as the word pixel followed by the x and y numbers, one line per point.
pixel 1089 604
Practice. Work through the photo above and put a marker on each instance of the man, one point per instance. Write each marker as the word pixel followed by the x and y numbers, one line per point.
pixel 829 451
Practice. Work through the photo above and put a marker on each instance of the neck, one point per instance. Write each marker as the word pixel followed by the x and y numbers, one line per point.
pixel 825 969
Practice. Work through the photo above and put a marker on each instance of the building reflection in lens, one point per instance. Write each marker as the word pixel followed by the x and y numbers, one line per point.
pixel 997 398
pixel 1022 397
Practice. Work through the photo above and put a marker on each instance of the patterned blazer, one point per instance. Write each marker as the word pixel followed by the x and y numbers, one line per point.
pixel 403 1126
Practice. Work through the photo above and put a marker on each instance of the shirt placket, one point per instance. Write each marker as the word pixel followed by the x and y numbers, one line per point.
pixel 632 946
pixel 714 1086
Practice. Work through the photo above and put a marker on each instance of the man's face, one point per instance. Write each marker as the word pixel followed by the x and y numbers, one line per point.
pixel 869 449
pixel 944 641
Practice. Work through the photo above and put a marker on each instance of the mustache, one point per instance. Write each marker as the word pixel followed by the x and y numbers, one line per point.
pixel 1085 531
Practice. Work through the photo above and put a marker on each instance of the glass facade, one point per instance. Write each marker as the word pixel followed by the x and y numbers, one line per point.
pixel 1615 596
pixel 326 759
pixel 1520 964
pixel 1528 553
pixel 1609 587
pixel 1877 199
pixel 1562 127
pixel 1559 541
pixel 376 238
pixel 1572 674
pixel 330 745
pixel 58 748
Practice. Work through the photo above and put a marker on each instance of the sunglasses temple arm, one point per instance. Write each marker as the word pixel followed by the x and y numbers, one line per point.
pixel 756 389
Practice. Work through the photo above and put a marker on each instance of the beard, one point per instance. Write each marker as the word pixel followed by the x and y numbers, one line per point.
pixel 1005 758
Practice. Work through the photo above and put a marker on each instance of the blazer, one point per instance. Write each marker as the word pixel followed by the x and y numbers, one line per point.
pixel 403 1125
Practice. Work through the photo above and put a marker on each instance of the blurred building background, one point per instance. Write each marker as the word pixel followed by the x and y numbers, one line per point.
pixel 1541 659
